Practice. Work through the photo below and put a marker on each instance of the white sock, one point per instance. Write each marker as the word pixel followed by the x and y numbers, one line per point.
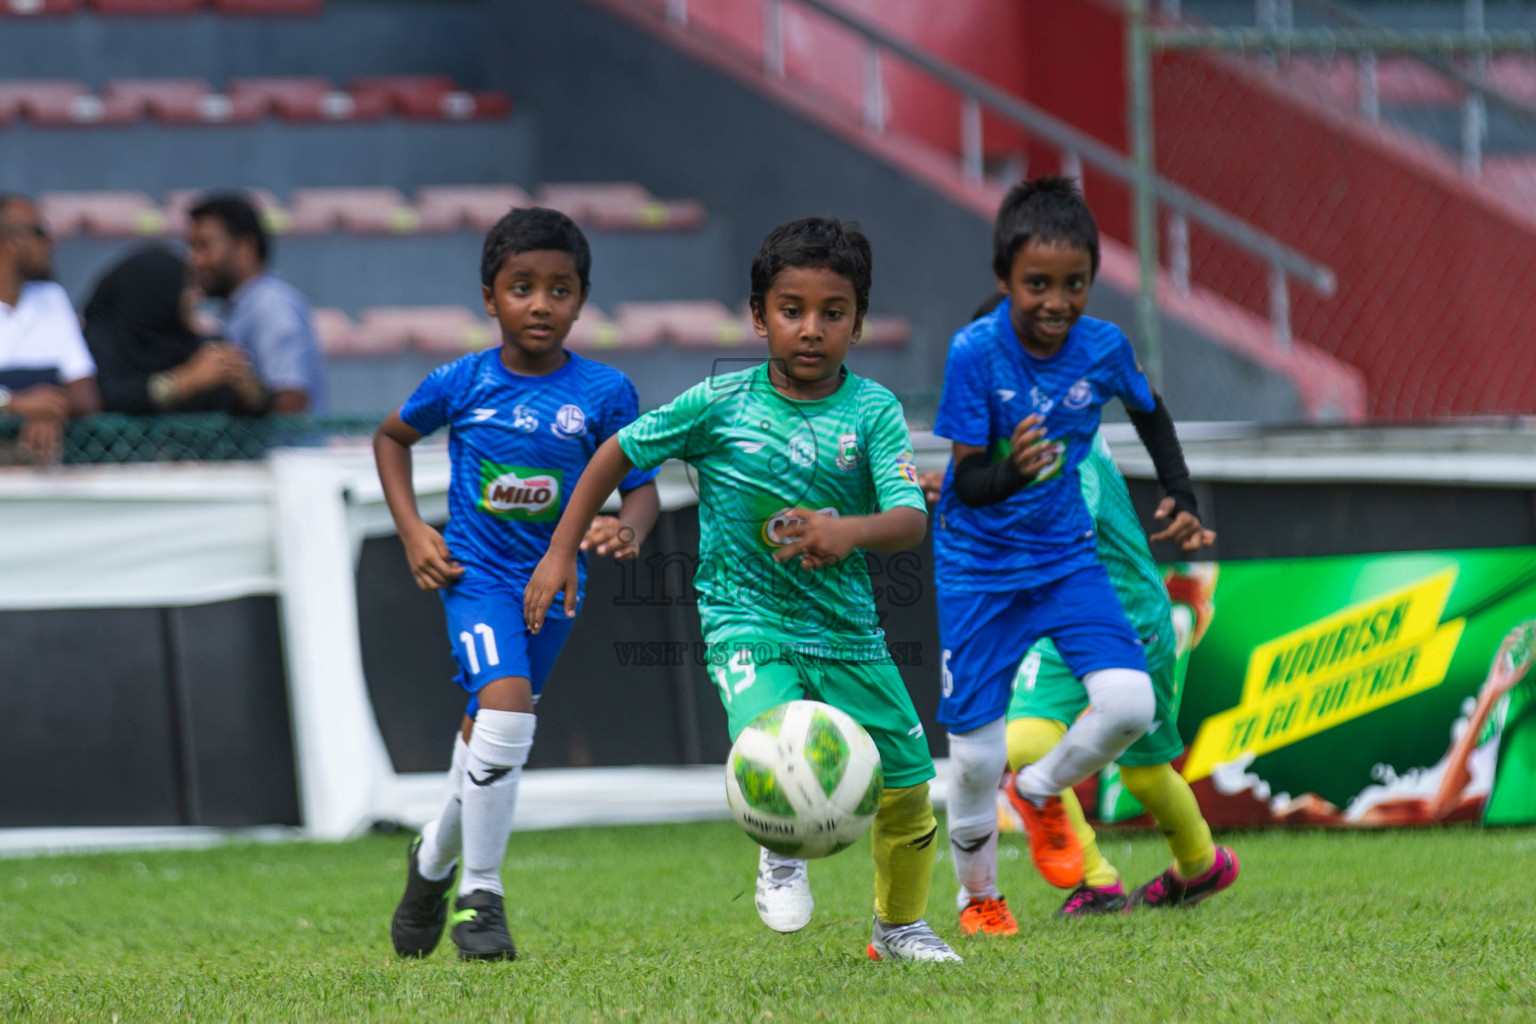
pixel 498 749
pixel 1122 709
pixel 441 839
pixel 977 760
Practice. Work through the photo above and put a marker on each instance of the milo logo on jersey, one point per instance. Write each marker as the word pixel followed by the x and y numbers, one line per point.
pixel 519 493
pixel 1002 448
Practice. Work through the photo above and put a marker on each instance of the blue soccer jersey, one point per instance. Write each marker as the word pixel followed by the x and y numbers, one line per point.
pixel 1044 532
pixel 517 445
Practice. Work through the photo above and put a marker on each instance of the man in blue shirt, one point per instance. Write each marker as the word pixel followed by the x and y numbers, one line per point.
pixel 266 315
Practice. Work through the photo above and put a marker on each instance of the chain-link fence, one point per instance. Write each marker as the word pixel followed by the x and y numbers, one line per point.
pixel 186 437
pixel 1395 148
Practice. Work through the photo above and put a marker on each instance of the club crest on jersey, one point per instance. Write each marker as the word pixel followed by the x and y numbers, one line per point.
pixel 848 451
pixel 1079 394
pixel 525 419
pixel 570 421
pixel 520 493
pixel 802 451
pixel 773 527
pixel 1040 401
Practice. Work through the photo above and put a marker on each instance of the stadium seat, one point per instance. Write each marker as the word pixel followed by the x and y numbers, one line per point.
pixel 429 97
pixel 146 6
pixel 59 101
pixel 104 214
pixel 1512 175
pixel 438 330
pixel 477 207
pixel 286 7
pixel 339 336
pixel 174 100
pixel 595 333
pixel 705 324
pixel 885 332
pixel 27 8
pixel 622 206
pixel 1515 76
pixel 303 99
pixel 314 211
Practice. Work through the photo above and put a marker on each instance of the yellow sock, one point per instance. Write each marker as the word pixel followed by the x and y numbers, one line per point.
pixel 902 837
pixel 1030 739
pixel 1164 793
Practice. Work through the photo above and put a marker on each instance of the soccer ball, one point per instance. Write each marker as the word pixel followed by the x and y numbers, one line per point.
pixel 804 779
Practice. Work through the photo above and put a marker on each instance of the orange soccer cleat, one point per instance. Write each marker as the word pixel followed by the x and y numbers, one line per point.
pixel 1053 846
pixel 988 917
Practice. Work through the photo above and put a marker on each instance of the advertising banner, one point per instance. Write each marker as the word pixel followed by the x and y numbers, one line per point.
pixel 1361 690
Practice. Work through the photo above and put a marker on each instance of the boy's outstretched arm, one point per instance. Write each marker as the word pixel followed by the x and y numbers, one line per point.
pixel 622 535
pixel 432 566
pixel 1157 434
pixel 820 540
pixel 556 571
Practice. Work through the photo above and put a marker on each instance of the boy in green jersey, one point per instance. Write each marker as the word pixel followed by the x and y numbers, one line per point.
pixel 1047 699
pixel 801 466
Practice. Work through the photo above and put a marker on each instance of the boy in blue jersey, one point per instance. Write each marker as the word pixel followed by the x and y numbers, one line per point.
pixel 1014 552
pixel 524 420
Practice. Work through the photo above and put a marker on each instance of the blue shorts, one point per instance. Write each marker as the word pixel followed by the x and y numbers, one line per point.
pixel 986 635
pixel 490 640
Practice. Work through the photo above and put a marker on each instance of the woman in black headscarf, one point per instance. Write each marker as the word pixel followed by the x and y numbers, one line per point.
pixel 148 357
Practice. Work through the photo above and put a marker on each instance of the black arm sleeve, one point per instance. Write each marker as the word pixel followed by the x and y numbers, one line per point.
pixel 978 484
pixel 1156 431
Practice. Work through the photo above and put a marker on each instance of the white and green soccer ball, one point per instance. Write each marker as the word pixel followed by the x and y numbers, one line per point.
pixel 804 779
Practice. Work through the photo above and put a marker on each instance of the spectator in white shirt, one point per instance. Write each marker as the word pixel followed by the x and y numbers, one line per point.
pixel 46 372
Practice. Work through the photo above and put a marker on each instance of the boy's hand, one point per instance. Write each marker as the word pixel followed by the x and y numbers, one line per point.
pixel 551 576
pixel 931 482
pixel 610 535
pixel 1185 530
pixel 818 540
pixel 1032 453
pixel 432 567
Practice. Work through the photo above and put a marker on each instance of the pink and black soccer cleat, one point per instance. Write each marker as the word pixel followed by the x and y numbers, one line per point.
pixel 1169 890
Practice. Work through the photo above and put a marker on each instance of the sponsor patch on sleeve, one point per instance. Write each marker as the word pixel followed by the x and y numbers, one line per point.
pixel 906 465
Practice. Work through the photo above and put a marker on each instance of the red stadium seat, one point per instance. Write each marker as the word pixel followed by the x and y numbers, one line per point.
pixel 339 336
pixel 439 330
pixel 595 332
pixel 623 206
pixel 175 100
pixel 430 97
pixel 705 324
pixel 478 207
pixel 146 6
pixel 364 210
pixel 104 214
pixel 301 99
pixel 1512 175
pixel 26 8
pixel 60 101
pixel 286 7
pixel 885 332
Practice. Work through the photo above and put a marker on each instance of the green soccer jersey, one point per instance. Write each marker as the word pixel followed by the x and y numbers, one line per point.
pixel 1123 544
pixel 755 454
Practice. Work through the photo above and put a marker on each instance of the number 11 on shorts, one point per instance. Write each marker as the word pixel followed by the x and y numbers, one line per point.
pixel 492 658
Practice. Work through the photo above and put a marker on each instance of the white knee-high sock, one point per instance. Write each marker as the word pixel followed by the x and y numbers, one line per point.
pixel 441 839
pixel 497 752
pixel 976 763
pixel 1122 710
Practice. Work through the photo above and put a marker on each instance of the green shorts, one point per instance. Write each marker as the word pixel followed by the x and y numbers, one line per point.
pixel 1045 688
pixel 754 677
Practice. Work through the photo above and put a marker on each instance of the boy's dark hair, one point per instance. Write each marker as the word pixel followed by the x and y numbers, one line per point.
pixel 1049 210
pixel 239 217
pixel 532 229
pixel 988 305
pixel 823 242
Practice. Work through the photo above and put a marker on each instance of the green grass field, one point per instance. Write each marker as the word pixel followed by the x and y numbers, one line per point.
pixel 657 923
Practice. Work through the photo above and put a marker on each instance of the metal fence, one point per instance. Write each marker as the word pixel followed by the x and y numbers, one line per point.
pixel 1397 150
pixel 184 437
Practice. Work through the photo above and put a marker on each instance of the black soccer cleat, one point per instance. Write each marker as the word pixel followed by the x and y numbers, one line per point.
pixel 423 911
pixel 1087 900
pixel 480 927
